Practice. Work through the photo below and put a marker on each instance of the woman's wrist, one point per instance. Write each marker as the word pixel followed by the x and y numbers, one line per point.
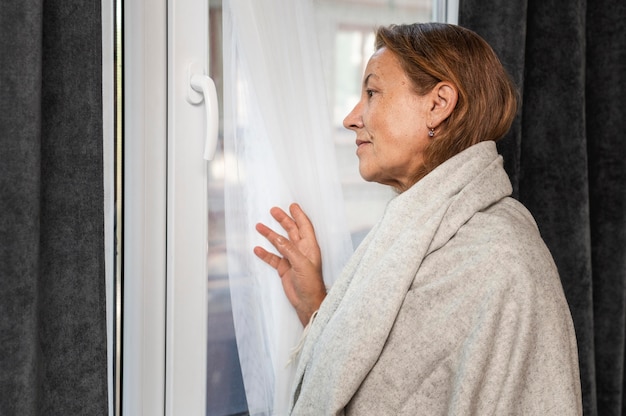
pixel 306 316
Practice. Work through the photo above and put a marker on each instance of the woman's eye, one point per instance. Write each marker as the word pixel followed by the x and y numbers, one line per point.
pixel 369 93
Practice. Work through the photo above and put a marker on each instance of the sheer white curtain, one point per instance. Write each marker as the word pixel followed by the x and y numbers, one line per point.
pixel 278 149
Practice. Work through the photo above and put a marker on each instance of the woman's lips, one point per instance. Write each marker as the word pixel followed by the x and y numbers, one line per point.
pixel 360 144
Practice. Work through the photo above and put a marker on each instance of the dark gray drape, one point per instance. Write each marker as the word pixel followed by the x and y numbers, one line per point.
pixel 566 156
pixel 52 297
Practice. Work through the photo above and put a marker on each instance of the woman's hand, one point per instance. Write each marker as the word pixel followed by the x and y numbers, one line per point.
pixel 300 268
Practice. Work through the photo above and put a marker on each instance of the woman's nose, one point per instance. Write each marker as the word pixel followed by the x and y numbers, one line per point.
pixel 354 120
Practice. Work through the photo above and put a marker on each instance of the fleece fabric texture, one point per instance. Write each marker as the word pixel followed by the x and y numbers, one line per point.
pixel 451 305
pixel 565 157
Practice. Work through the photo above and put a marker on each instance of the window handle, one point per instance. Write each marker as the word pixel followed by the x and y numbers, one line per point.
pixel 202 88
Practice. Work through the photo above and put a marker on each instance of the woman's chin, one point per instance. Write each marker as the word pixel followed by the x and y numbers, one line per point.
pixel 369 176
pixel 366 175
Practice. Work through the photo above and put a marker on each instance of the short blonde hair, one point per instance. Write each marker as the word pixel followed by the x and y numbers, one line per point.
pixel 487 98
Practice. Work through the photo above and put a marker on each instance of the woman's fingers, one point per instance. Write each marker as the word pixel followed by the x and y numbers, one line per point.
pixel 303 223
pixel 270 258
pixel 300 264
pixel 299 248
pixel 273 237
pixel 280 264
pixel 287 223
pixel 298 226
pixel 285 247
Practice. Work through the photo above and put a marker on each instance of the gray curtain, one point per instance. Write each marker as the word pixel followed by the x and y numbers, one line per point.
pixel 52 294
pixel 566 156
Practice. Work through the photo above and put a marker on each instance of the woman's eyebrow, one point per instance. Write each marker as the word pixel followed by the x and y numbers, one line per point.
pixel 366 79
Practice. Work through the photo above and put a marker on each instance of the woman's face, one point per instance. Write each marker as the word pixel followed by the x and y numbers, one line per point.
pixel 390 122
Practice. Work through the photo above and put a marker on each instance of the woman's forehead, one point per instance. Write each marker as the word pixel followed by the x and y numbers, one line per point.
pixel 383 64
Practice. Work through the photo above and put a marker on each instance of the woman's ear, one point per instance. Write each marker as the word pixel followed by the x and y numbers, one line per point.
pixel 444 98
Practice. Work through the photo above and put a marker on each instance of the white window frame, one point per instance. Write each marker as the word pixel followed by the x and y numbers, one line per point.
pixel 144 72
pixel 144 201
pixel 446 11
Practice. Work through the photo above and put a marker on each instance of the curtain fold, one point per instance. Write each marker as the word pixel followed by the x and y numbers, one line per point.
pixel 52 297
pixel 565 156
pixel 277 149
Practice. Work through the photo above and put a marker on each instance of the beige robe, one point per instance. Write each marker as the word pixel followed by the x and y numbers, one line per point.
pixel 452 305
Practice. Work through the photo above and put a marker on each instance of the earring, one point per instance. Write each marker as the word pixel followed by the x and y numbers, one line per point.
pixel 431 132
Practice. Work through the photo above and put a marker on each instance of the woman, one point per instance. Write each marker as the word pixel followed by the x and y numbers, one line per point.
pixel 452 304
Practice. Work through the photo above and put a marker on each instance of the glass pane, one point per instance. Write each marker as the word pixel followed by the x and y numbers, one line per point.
pixel 225 391
pixel 345 33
